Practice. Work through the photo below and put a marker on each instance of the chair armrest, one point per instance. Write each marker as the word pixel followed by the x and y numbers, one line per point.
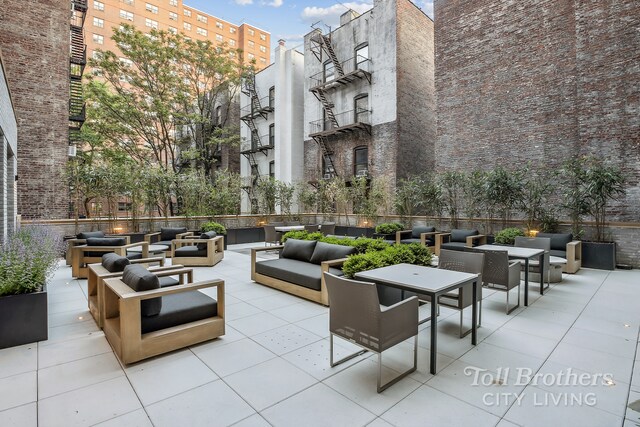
pixel 400 320
pixel 267 248
pixel 482 239
pixel 133 245
pixel 183 235
pixel 400 233
pixel 77 241
pixel 173 289
pixel 423 237
pixel 159 260
pixel 147 237
pixel 170 272
pixel 440 237
pixel 127 239
pixel 332 263
pixel 574 250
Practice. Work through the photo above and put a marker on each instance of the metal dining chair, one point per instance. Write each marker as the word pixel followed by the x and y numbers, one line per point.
pixel 537 243
pixel 500 274
pixel 355 314
pixel 270 235
pixel 311 228
pixel 328 228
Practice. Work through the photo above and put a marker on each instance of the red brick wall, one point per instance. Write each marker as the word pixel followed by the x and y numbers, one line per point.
pixel 34 36
pixel 539 81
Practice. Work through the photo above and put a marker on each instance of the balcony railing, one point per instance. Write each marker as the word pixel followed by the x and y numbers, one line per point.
pixel 355 68
pixel 348 121
pixel 254 111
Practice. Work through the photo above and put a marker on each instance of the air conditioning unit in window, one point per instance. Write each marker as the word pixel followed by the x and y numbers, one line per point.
pixel 362 173
pixel 72 151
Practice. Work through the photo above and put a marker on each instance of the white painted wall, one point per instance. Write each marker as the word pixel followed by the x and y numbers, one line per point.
pixel 286 74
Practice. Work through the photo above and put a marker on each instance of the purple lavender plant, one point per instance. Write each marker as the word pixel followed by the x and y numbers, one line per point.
pixel 28 259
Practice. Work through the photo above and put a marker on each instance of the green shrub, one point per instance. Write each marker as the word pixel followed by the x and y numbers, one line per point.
pixel 362 244
pixel 389 227
pixel 214 226
pixel 414 253
pixel 366 244
pixel 301 235
pixel 508 236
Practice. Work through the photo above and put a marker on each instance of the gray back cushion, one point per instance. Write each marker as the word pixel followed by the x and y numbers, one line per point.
pixel 106 241
pixel 298 249
pixel 327 251
pixel 559 241
pixel 461 235
pixel 419 230
pixel 139 279
pixel 171 233
pixel 207 235
pixel 87 234
pixel 114 263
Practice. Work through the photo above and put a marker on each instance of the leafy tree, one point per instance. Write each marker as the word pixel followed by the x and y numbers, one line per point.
pixel 284 196
pixel 451 185
pixel 409 198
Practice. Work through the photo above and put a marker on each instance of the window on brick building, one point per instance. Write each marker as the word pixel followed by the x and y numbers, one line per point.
pixel 272 96
pixel 97 22
pixel 151 8
pixel 329 71
pixel 360 161
pixel 201 31
pixel 173 30
pixel 263 49
pixel 187 12
pixel 251 43
pixel 263 37
pixel 98 5
pixel 98 39
pixel 126 15
pixel 219 38
pixel 187 26
pixel 232 30
pixel 219 25
pixel 251 56
pixel 362 57
pixel 272 135
pixel 361 109
pixel 151 23
pixel 251 32
pixel 173 16
pixel 263 60
pixel 129 2
pixel 202 18
pixel 272 169
pixel 231 42
pixel 173 2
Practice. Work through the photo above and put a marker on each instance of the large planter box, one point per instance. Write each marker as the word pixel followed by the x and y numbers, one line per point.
pixel 342 230
pixel 23 319
pixel 390 236
pixel 244 235
pixel 600 255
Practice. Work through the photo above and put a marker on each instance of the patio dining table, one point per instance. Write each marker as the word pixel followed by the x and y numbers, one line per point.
pixel 285 228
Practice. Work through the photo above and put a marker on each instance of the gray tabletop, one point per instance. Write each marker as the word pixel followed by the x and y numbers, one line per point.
pixel 513 251
pixel 416 277
pixel 290 228
pixel 152 248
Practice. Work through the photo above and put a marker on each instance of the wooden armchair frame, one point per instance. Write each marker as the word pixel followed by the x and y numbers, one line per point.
pixel 320 296
pixel 482 240
pixel 97 275
pixel 574 257
pixel 423 236
pixel 80 262
pixel 123 321
pixel 149 237
pixel 71 243
pixel 215 251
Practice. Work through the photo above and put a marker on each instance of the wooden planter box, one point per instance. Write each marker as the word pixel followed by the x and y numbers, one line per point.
pixel 23 319
pixel 390 236
pixel 342 230
pixel 600 255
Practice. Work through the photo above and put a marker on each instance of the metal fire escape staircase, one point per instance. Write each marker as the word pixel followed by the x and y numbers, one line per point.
pixel 322 43
pixel 77 63
pixel 249 89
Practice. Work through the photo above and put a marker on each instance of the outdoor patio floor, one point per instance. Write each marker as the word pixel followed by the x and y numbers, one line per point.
pixel 272 366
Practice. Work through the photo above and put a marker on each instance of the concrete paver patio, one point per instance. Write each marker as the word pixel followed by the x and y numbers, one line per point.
pixel 533 367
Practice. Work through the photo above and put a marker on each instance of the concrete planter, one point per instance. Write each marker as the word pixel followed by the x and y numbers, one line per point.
pixel 23 319
pixel 600 255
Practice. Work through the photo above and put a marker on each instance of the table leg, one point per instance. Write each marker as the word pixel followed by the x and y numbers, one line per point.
pixel 526 282
pixel 434 333
pixel 474 313
pixel 541 262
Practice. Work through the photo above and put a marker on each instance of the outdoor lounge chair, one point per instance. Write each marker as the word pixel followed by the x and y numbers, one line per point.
pixel 458 239
pixel 563 246
pixel 355 315
pixel 328 228
pixel 165 236
pixel 205 251
pixel 96 247
pixel 423 235
pixel 81 239
pixel 143 320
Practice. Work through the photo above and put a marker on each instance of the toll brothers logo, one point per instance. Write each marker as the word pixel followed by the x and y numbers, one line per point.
pixel 525 376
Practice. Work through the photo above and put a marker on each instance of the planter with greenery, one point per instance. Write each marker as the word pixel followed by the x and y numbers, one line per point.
pixel 387 230
pixel 413 253
pixel 508 236
pixel 28 259
pixel 362 245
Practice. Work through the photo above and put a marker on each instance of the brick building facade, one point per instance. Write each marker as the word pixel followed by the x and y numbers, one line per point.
pixel 37 71
pixel 541 81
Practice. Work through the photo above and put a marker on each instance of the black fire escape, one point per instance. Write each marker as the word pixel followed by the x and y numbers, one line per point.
pixel 344 73
pixel 77 62
pixel 257 109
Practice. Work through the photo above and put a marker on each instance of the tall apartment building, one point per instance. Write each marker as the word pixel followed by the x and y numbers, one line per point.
pixel 174 16
pixel 369 95
pixel 35 40
pixel 8 152
pixel 271 110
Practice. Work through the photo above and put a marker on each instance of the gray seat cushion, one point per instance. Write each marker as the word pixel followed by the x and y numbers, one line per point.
pixel 134 255
pixel 560 254
pixel 407 241
pixel 300 273
pixel 168 234
pixel 300 250
pixel 559 241
pixel 417 231
pixel 139 279
pixel 168 281
pixel 114 263
pixel 87 234
pixel 327 252
pixel 460 235
pixel 208 235
pixel 166 243
pixel 178 309
pixel 190 251
pixel 103 241
pixel 456 246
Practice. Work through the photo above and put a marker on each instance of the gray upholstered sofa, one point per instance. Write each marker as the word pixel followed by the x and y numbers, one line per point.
pixel 423 235
pixel 299 269
pixel 458 239
pixel 563 246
